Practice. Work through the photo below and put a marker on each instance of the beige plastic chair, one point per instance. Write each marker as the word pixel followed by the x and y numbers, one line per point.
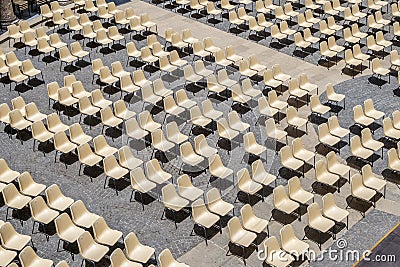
pixel 89 250
pixel 393 160
pixel 335 129
pixel 66 56
pixel 118 259
pixel 13 199
pixel 155 173
pixel 18 103
pixel 42 214
pixel 224 79
pixel 28 186
pixel 103 234
pixel 332 211
pixel 183 100
pixel 370 111
pixel 217 168
pixel 33 114
pixel 40 133
pixel 283 203
pixel 12 60
pixel 225 131
pixel 109 119
pixel 18 122
pixel 331 95
pixel 265 108
pixel 197 118
pixel 294 120
pixel 334 166
pixel 189 157
pixel 297 193
pixel 318 222
pixel 204 218
pixel 209 45
pixel 136 251
pixel 166 259
pixel 11 239
pixel 7 175
pixel 78 91
pixel 174 135
pixel 16 75
pixel 13 33
pixel 378 70
pixel 389 131
pixel 202 147
pixel 251 222
pixel 159 141
pixel 56 199
pixel 102 148
pixel 216 204
pixel 81 216
pixel 316 106
pixel 171 108
pixel 62 144
pixel 323 176
pixel 291 243
pixel 236 123
pixel 370 180
pixel 126 158
pixel 87 157
pixel 300 152
pixel 326 137
pixel 368 141
pixel 77 135
pixel 289 161
pixel 86 107
pixel 360 117
pixel 98 99
pixel 187 190
pixel 113 170
pixel 172 201
pixel 358 150
pixel 360 191
pixel 272 249
pixel 7 256
pixel 239 236
pixel 147 123
pixel 260 175
pixel 66 230
pixel 133 130
pixel 326 52
pixel 140 183
pixel 247 185
pixel 29 258
pixel 251 146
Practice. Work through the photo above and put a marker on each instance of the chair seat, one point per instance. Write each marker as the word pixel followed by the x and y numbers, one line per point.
pixel 17 242
pixel 256 149
pixel 82 139
pixel 292 163
pixel 373 144
pixel 71 234
pixel 9 176
pixel 201 121
pixel 336 214
pixel 106 151
pixel 144 186
pixel 43 137
pixel 339 169
pixel 46 216
pixel 363 153
pixel 86 221
pixel 287 206
pixel 340 132
pixel 255 224
pixel 19 202
pixel 141 253
pixel 117 173
pixel 304 155
pixel 330 140
pixel 109 238
pixel 297 122
pixel 322 224
pixel 95 253
pixel 191 193
pixel 66 147
pixel 34 190
pixel 244 238
pixel 222 172
pixel 61 203
pixel 250 187
pixel 176 203
pixel 301 196
pixel 328 178
pixel 296 245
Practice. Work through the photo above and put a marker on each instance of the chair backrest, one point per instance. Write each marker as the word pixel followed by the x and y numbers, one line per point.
pixel 328 202
pixel 118 258
pixel 166 259
pixel 168 193
pixel 287 235
pixel 355 184
pixel 234 228
pixel 313 212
